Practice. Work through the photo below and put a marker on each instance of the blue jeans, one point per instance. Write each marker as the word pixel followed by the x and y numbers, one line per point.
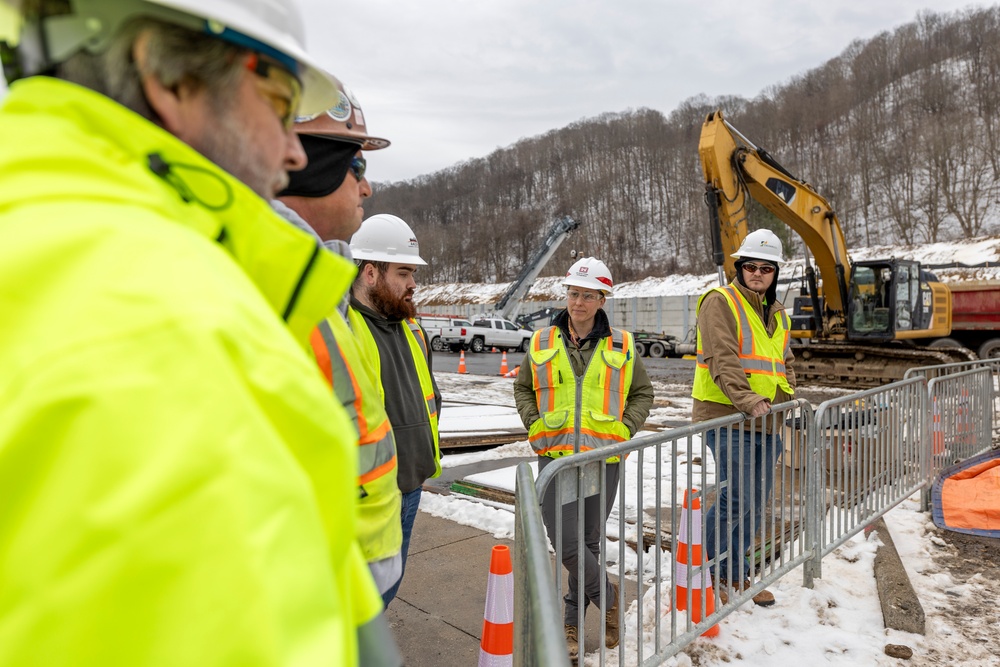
pixel 739 506
pixel 411 503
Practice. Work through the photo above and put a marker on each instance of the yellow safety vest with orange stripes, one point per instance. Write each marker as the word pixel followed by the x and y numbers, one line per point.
pixel 577 415
pixel 761 355
pixel 339 356
pixel 418 350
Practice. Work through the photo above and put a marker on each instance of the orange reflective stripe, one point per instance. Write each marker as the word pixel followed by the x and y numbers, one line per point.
pixel 377 472
pixel 322 354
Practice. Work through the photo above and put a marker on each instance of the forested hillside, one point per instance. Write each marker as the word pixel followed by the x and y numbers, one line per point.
pixel 901 133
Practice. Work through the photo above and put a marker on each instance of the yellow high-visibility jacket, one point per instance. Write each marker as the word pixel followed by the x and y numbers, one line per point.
pixel 178 483
pixel 761 355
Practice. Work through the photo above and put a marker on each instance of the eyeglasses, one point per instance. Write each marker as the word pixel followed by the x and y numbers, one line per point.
pixel 358 167
pixel 763 269
pixel 587 297
pixel 286 102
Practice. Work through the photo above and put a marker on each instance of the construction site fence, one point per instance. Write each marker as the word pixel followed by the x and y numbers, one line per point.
pixel 809 480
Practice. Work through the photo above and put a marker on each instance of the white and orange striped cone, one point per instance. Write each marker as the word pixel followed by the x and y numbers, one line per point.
pixel 496 648
pixel 513 373
pixel 503 364
pixel 461 363
pixel 689 552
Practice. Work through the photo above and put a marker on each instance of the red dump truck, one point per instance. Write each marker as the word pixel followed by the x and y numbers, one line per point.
pixel 975 316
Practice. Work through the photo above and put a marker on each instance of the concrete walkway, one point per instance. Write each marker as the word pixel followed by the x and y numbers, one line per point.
pixel 437 617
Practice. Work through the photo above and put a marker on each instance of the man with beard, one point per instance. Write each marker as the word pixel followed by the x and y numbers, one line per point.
pixel 172 466
pixel 383 317
pixel 325 200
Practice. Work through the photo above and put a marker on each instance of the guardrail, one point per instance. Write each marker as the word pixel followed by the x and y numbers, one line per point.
pixel 815 480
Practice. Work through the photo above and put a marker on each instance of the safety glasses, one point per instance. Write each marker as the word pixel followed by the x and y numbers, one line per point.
pixel 762 269
pixel 358 167
pixel 281 89
pixel 586 297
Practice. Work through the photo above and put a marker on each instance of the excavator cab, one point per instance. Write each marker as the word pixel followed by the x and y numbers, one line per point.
pixel 890 299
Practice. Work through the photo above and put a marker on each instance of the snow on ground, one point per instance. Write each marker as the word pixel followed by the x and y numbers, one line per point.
pixel 839 622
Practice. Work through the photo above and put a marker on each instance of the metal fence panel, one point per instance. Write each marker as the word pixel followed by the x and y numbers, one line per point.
pixel 538 638
pixel 833 472
pixel 647 509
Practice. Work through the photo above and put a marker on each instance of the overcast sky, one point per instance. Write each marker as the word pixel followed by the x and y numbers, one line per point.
pixel 447 81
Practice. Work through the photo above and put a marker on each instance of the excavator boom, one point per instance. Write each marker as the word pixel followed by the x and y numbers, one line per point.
pixel 851 328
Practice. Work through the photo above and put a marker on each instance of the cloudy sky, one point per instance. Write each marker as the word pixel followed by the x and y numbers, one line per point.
pixel 447 81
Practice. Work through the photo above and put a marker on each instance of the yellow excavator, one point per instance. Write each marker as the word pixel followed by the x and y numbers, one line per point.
pixel 861 323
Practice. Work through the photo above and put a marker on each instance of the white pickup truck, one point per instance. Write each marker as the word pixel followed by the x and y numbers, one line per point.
pixel 446 333
pixel 496 332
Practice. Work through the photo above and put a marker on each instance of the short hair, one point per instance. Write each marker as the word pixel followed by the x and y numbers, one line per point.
pixel 176 56
pixel 381 267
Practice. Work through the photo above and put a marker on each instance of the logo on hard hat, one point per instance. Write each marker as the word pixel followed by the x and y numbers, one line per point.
pixel 583 269
pixel 341 111
pixel 413 242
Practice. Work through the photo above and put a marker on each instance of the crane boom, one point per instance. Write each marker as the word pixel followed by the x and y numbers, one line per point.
pixel 510 303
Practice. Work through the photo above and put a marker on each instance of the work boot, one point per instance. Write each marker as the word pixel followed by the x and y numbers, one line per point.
pixel 572 643
pixel 611 634
pixel 762 599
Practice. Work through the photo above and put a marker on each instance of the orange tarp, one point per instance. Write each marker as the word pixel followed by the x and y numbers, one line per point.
pixel 971 498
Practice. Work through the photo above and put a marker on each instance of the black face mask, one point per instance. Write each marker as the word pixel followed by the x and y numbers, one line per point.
pixel 329 161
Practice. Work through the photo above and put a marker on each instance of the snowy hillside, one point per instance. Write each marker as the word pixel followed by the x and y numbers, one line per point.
pixel 971 252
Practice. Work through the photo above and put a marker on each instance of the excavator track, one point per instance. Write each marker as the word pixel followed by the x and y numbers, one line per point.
pixel 864 366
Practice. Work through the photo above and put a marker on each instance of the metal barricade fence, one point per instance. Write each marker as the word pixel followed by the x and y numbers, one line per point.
pixel 649 489
pixel 961 416
pixel 816 479
pixel 931 372
pixel 537 631
pixel 871 451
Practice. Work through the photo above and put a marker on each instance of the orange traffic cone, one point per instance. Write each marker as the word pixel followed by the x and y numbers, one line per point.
pixel 512 373
pixel 503 364
pixel 461 363
pixel 702 595
pixel 496 649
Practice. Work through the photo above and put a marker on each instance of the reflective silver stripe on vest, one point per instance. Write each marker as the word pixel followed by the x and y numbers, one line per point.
pixel 614 378
pixel 376 645
pixel 587 441
pixel 545 337
pixel 343 387
pixel 746 333
pixel 375 454
pixel 418 334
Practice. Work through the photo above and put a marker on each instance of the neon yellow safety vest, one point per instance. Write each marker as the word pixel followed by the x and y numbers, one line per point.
pixel 761 355
pixel 380 532
pixel 176 478
pixel 577 416
pixel 418 350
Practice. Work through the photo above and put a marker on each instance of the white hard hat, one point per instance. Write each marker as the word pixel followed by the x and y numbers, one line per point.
pixel 590 273
pixel 272 27
pixel 761 244
pixel 386 238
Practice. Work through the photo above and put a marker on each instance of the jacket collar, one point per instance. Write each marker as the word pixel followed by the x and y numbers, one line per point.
pixel 602 326
pixel 106 151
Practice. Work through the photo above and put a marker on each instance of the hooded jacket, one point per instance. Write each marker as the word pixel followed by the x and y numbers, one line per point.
pixel 720 351
pixel 178 481
pixel 417 457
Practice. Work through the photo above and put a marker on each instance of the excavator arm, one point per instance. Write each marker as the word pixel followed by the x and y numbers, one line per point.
pixel 867 321
pixel 736 171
